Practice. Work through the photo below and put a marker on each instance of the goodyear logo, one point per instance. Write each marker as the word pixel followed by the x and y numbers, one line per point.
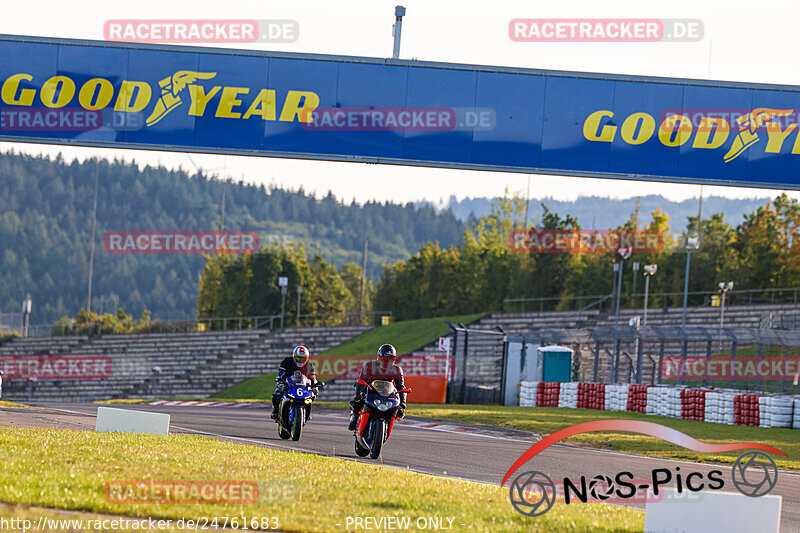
pixel 185 90
pixel 706 129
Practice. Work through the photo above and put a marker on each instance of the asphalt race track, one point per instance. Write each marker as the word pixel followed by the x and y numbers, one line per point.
pixel 463 455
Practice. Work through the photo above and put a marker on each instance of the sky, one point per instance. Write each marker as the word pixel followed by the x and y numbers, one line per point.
pixel 752 45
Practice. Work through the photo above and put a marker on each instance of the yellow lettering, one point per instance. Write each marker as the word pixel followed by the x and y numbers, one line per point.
pixel 200 99
pixel 263 105
pixel 628 131
pixel 668 127
pixel 777 136
pixel 718 126
pixel 292 107
pixel 592 125
pixel 104 94
pixel 57 91
pixel 9 91
pixel 228 100
pixel 127 102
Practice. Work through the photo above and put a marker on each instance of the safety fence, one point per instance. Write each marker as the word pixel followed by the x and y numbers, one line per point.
pixel 718 406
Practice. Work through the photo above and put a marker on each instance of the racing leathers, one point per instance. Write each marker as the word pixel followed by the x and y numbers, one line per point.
pixel 373 370
pixel 287 368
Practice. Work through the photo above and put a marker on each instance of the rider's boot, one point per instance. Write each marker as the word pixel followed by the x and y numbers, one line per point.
pixel 353 422
pixel 275 413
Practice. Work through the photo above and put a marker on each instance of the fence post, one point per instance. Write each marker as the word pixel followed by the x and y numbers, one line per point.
pixel 464 367
pixel 639 355
pixel 661 358
pixel 758 360
pixel 596 360
pixel 785 366
pixel 684 349
pixel 708 361
pixel 733 357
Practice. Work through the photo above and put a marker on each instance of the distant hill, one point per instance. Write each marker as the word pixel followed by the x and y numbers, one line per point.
pixel 598 212
pixel 46 219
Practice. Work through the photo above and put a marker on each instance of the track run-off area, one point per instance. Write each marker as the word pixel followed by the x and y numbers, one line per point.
pixel 482 454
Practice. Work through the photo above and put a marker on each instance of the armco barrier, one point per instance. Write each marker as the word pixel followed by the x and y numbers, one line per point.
pixel 717 406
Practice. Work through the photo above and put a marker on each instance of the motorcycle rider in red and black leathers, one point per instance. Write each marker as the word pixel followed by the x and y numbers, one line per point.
pixel 384 368
pixel 297 362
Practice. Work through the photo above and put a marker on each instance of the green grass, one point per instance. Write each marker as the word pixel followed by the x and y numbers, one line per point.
pixel 257 388
pixel 59 469
pixel 547 420
pixel 405 336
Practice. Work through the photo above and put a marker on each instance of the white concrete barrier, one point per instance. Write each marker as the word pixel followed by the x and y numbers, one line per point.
pixel 707 511
pixel 130 421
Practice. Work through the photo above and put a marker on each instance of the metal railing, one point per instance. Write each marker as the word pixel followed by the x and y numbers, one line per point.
pixel 268 322
pixel 664 299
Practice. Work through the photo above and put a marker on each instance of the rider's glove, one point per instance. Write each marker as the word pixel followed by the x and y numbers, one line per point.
pixel 401 411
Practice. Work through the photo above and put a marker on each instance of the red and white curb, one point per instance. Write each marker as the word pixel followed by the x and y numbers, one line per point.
pixel 199 403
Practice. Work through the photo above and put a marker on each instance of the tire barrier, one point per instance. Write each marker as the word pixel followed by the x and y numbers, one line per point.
pixel 616 397
pixel 637 398
pixel 796 423
pixel 775 412
pixel 719 407
pixel 527 393
pixel 715 406
pixel 591 396
pixel 693 404
pixel 568 395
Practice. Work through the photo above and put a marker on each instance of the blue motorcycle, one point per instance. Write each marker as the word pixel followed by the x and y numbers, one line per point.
pixel 293 409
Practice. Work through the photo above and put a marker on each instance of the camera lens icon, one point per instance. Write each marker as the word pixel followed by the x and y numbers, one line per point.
pixel 532 493
pixel 754 474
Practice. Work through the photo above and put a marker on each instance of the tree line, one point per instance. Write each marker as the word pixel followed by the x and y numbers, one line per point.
pixel 481 273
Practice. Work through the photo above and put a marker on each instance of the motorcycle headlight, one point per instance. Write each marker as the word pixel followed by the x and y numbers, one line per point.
pixel 384 406
pixel 308 400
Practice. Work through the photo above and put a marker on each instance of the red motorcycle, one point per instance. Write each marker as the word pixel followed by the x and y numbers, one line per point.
pixel 376 419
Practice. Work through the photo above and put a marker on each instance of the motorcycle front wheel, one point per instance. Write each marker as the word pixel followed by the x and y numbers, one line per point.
pixel 297 424
pixel 283 420
pixel 377 439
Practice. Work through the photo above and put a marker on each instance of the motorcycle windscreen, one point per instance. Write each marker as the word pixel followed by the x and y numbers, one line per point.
pixel 384 388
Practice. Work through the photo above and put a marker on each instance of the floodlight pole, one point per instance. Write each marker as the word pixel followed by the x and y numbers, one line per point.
pixel 284 290
pixel 299 292
pixel 399 13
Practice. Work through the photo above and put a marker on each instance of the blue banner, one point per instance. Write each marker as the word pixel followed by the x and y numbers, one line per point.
pixel 401 112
